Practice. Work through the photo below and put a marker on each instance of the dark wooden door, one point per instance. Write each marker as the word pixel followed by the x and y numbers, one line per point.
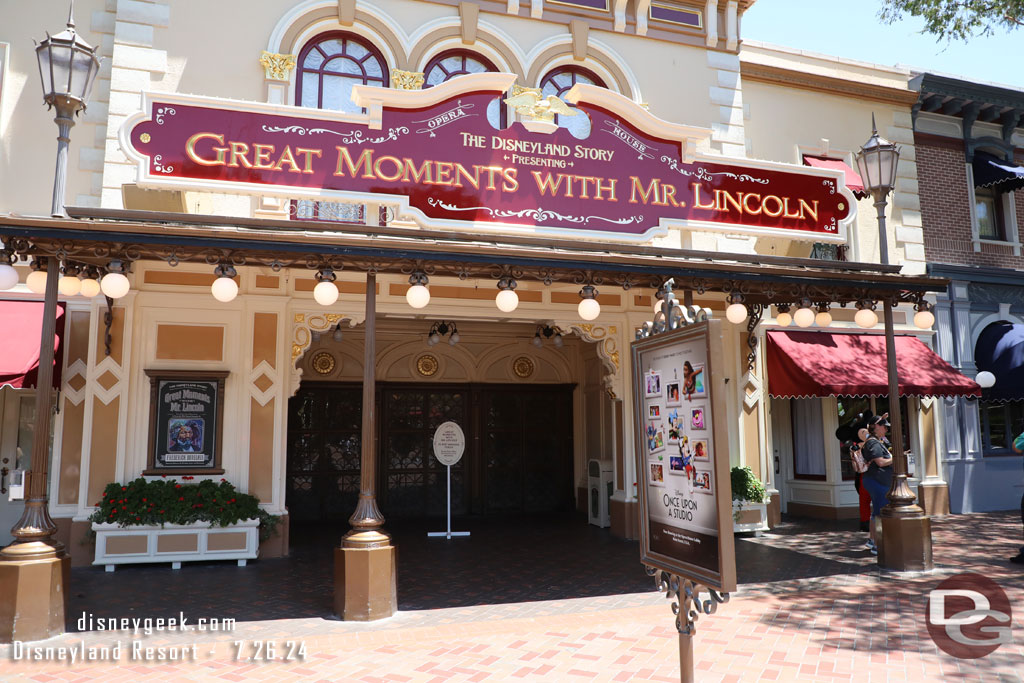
pixel 414 482
pixel 324 440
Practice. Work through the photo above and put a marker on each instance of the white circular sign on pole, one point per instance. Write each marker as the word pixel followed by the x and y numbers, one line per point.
pixel 449 443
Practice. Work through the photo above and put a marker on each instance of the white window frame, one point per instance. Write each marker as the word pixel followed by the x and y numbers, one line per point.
pixel 1010 227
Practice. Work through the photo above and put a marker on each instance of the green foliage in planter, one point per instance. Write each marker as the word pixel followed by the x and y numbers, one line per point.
pixel 166 501
pixel 746 486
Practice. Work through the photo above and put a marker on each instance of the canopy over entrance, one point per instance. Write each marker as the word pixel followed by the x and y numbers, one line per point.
pixel 22 322
pixel 810 364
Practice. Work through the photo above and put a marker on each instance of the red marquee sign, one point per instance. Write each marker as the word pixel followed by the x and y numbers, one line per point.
pixel 435 155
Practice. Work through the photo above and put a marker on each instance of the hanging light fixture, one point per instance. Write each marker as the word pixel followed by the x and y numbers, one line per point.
pixel 115 283
pixel 8 275
pixel 507 299
pixel 547 332
pixel 804 316
pixel 985 379
pixel 418 296
pixel 737 310
pixel 224 288
pixel 36 280
pixel 824 317
pixel 924 318
pixel 866 316
pixel 439 330
pixel 326 292
pixel 537 341
pixel 90 283
pixel 783 318
pixel 69 284
pixel 588 307
pixel 337 334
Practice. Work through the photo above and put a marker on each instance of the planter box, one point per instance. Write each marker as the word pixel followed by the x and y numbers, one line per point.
pixel 176 543
pixel 747 516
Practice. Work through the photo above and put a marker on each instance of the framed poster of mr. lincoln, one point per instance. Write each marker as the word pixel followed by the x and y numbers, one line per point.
pixel 185 421
pixel 686 525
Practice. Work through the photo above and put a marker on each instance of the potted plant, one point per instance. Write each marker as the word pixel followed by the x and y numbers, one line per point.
pixel 166 520
pixel 749 501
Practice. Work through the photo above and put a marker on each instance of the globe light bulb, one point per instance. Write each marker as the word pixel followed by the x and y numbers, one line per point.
pixel 69 285
pixel 435 338
pixel 418 296
pixel 804 317
pixel 114 285
pixel 823 319
pixel 325 293
pixel 866 318
pixel 36 281
pixel 736 313
pixel 337 335
pixel 507 300
pixel 985 379
pixel 589 309
pixel 558 341
pixel 8 277
pixel 537 340
pixel 924 320
pixel 90 287
pixel 784 319
pixel 454 339
pixel 224 289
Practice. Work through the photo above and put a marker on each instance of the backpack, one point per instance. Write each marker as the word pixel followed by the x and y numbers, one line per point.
pixel 859 465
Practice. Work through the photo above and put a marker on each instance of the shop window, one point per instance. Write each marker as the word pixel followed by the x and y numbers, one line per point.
pixel 847 408
pixel 808 441
pixel 328 68
pixel 558 82
pixel 1000 423
pixel 452 63
pixel 989 212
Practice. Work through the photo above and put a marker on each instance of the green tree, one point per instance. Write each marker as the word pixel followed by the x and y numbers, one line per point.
pixel 958 19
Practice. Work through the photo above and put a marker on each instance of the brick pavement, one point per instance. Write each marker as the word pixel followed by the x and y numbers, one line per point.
pixel 822 612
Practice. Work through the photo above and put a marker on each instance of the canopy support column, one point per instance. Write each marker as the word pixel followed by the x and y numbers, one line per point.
pixel 365 584
pixel 34 569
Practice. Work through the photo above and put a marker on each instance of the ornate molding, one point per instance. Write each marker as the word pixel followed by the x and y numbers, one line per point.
pixel 826 84
pixel 607 339
pixel 303 326
pixel 685 596
pixel 276 67
pixel 407 80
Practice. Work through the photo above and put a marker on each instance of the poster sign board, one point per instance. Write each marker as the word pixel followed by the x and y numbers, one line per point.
pixel 682 455
pixel 443 159
pixel 186 418
pixel 449 443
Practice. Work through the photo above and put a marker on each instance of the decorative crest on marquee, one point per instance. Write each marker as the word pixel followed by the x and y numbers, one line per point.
pixel 407 80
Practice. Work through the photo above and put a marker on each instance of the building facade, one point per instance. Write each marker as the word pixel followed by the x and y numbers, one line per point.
pixel 537 412
pixel 969 140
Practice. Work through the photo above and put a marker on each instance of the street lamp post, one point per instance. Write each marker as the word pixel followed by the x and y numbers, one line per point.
pixel 67 68
pixel 906 530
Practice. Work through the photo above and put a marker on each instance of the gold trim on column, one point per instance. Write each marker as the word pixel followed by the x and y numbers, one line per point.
pixel 276 66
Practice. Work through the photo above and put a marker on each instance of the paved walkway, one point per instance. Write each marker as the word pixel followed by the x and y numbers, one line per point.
pixel 822 612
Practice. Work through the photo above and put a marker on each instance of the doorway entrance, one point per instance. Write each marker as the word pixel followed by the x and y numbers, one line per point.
pixel 17 424
pixel 518 455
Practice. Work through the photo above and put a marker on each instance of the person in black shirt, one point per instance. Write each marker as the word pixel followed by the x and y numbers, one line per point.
pixel 1018 447
pixel 878 478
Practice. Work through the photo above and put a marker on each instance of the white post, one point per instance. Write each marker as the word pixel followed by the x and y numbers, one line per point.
pixel 449 533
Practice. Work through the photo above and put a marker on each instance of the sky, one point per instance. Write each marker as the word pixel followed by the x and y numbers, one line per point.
pixel 851 29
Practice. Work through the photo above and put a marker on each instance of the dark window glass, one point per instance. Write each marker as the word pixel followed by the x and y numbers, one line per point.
pixel 988 208
pixel 1001 422
pixel 558 82
pixel 453 63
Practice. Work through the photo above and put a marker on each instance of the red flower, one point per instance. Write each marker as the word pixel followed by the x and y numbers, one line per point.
pixel 124 488
pixel 143 500
pixel 181 498
pixel 223 479
pixel 124 507
pixel 136 519
pixel 161 512
pixel 177 486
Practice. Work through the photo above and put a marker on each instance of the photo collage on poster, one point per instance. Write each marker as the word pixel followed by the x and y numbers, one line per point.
pixel 678 426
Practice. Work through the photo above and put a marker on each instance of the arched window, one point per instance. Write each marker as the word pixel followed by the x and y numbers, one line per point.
pixel 451 63
pixel 328 67
pixel 558 82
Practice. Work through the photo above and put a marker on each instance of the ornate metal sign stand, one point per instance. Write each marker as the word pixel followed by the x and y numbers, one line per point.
pixel 685 593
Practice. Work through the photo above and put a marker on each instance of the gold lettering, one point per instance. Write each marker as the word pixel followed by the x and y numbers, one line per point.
pixel 545 184
pixel 424 171
pixel 804 206
pixel 190 149
pixel 610 189
pixel 778 203
pixel 724 199
pixel 444 172
pixel 238 151
pixel 365 162
pixel 308 155
pixel 399 168
pixel 668 195
pixel 746 203
pixel 511 182
pixel 287 158
pixel 645 195
pixel 461 172
pixel 261 156
pixel 696 199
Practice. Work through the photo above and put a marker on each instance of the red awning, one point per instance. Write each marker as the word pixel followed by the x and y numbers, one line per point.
pixel 805 364
pixel 853 180
pixel 22 324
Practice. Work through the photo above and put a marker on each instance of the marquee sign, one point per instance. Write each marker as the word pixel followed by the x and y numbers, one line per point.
pixel 438 157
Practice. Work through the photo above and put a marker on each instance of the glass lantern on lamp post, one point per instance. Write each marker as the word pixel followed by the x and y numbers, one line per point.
pixel 67 68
